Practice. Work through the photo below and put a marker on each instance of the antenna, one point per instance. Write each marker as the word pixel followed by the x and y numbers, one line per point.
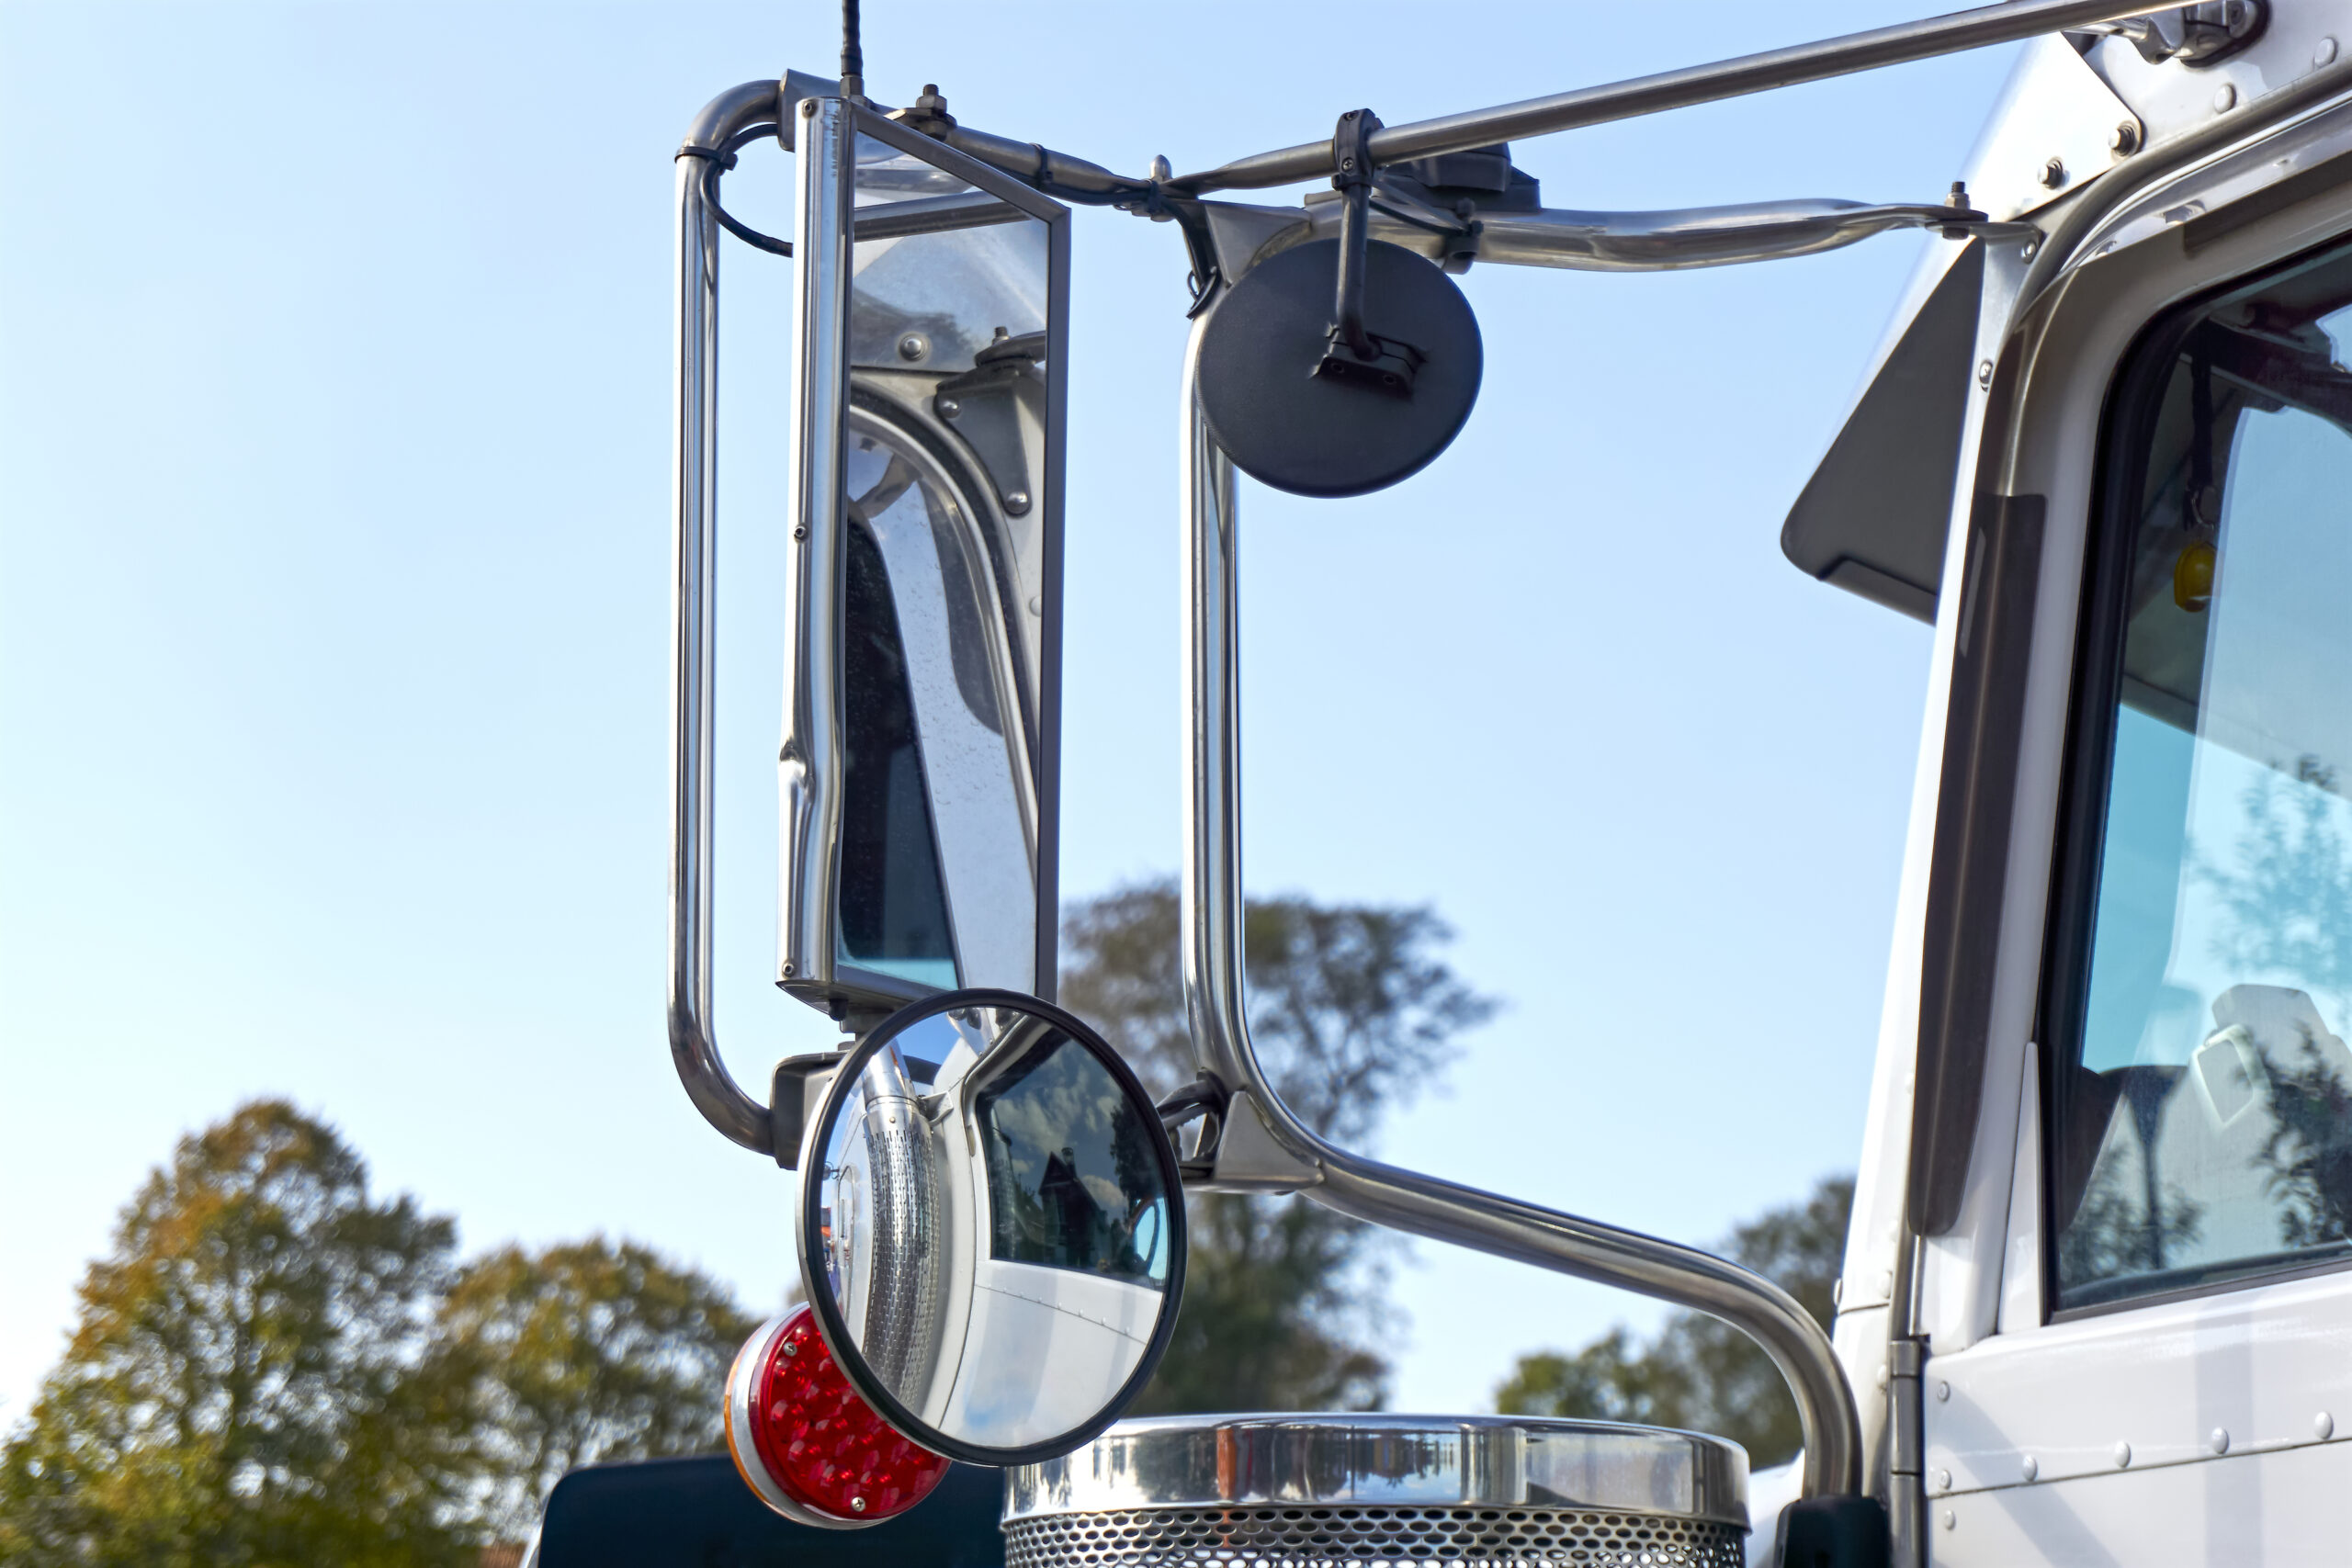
pixel 852 53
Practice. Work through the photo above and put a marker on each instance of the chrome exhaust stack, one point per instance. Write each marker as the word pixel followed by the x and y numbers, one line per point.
pixel 1323 1491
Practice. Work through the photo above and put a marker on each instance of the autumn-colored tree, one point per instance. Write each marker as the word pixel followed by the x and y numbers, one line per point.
pixel 1352 1013
pixel 1701 1373
pixel 237 1390
pixel 579 1354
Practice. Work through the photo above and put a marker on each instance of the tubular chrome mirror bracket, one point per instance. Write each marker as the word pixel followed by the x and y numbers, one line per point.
pixel 1261 1147
pixel 693 493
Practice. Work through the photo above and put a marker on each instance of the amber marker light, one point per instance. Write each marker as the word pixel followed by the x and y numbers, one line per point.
pixel 808 1444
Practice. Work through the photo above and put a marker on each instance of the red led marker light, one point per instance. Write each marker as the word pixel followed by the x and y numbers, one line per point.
pixel 807 1443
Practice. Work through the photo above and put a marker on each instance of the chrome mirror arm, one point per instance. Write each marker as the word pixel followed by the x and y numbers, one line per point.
pixel 1903 41
pixel 1259 1144
pixel 693 496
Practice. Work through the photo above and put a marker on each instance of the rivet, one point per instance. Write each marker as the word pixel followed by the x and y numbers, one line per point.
pixel 2322 1425
pixel 2027 249
pixel 1882 1375
pixel 2325 54
pixel 1943 1391
pixel 2122 1455
pixel 1985 373
pixel 2030 1469
pixel 788 968
pixel 949 408
pixel 808 108
pixel 1016 501
pixel 1837 1291
pixel 2225 98
pixel 1886 1282
pixel 1943 1481
pixel 1036 606
pixel 2220 1441
pixel 914 345
pixel 1951 1520
pixel 799 532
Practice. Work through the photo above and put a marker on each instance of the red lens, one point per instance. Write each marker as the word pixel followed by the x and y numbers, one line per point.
pixel 821 1444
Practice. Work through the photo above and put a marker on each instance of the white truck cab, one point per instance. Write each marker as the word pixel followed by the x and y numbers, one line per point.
pixel 2096 1306
pixel 2098 1258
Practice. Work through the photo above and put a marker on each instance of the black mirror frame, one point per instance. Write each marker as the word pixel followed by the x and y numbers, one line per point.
pixel 835 1331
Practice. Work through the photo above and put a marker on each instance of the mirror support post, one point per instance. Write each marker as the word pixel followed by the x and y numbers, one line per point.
pixel 1210 928
pixel 693 494
pixel 809 764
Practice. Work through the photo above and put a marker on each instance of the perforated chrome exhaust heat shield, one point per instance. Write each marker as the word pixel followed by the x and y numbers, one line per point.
pixel 1361 1491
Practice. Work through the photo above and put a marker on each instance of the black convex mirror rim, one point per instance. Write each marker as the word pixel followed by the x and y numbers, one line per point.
pixel 835 1330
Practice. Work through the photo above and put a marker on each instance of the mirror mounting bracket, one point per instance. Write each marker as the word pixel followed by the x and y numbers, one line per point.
pixel 793 1096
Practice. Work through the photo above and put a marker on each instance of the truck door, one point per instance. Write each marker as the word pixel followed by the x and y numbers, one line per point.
pixel 2136 1288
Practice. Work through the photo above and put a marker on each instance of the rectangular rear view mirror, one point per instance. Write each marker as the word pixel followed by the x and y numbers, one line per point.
pixel 920 757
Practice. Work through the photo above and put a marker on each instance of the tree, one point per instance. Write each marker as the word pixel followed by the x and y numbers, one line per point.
pixel 1351 1013
pixel 580 1354
pixel 237 1390
pixel 1701 1373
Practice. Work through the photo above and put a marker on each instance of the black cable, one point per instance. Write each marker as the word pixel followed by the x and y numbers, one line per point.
pixel 718 161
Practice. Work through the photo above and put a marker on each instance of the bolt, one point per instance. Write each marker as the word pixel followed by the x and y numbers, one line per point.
pixel 808 108
pixel 1943 1391
pixel 914 345
pixel 2030 1469
pixel 949 408
pixel 1958 195
pixel 2322 1425
pixel 2026 251
pixel 2220 1441
pixel 1985 373
pixel 2124 140
pixel 788 968
pixel 1017 501
pixel 857 1504
pixel 2225 98
pixel 2053 173
pixel 2122 1456
pixel 1347 163
pixel 789 1347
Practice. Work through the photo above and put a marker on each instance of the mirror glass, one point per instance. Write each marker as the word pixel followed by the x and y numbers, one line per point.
pixel 992 1229
pixel 951 578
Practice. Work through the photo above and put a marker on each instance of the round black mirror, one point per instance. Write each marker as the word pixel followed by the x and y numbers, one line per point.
pixel 992 1229
pixel 1275 406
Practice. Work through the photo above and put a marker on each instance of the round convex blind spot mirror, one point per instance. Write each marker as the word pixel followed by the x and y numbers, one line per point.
pixel 1313 435
pixel 991 1227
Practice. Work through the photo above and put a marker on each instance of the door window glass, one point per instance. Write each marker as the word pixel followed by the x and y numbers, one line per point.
pixel 2202 1117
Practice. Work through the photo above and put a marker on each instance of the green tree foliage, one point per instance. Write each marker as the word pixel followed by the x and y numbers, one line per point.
pixel 273 1368
pixel 580 1354
pixel 1352 1012
pixel 1700 1373
pixel 237 1391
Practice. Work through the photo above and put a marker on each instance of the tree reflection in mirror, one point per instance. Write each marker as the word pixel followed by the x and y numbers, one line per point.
pixel 2202 1125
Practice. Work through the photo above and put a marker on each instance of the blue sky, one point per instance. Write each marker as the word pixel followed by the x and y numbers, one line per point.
pixel 333 395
